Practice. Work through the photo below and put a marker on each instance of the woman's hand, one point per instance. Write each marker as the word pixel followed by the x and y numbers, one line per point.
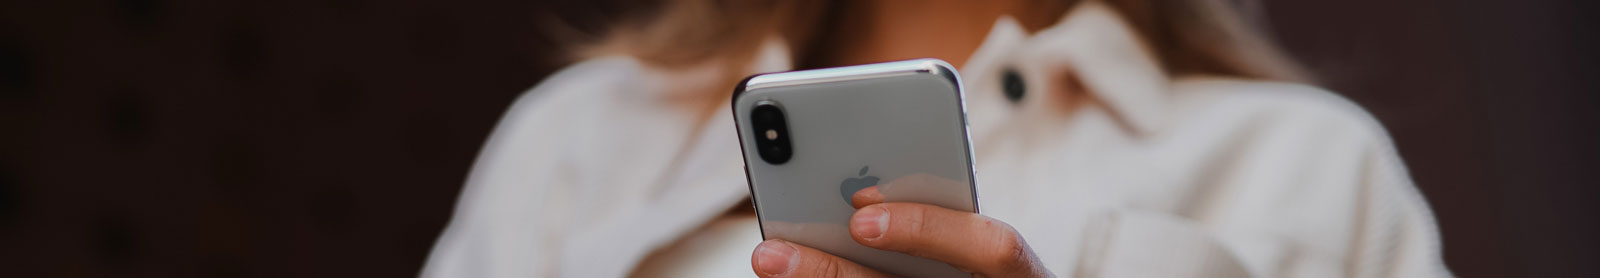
pixel 968 241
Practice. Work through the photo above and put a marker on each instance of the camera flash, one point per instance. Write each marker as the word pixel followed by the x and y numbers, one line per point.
pixel 772 134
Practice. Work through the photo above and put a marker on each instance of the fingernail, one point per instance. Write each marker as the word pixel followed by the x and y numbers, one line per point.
pixel 870 222
pixel 773 257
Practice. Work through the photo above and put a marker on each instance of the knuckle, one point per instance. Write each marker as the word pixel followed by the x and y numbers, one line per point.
pixel 917 222
pixel 831 269
pixel 1010 253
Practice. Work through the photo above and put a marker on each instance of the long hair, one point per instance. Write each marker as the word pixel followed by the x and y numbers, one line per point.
pixel 1218 37
pixel 1213 37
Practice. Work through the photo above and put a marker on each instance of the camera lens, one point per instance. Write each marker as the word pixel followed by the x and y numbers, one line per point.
pixel 771 131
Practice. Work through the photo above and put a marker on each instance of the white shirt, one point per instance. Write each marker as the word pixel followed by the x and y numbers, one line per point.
pixel 1144 175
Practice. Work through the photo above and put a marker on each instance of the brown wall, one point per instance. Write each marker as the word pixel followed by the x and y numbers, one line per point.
pixel 1492 105
pixel 329 138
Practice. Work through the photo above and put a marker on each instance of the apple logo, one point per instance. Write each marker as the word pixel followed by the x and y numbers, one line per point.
pixel 851 185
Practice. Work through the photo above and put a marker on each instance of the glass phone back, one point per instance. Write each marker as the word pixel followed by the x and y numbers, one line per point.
pixel 900 125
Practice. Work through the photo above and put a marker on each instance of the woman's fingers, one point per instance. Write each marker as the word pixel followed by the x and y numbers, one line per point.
pixel 866 196
pixel 969 241
pixel 779 258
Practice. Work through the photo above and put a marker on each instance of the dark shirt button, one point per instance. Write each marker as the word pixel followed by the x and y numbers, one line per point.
pixel 1014 88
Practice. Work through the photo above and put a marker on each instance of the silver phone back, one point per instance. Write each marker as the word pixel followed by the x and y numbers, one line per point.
pixel 902 123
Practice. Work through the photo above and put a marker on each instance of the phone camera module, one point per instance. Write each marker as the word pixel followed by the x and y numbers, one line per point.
pixel 771 132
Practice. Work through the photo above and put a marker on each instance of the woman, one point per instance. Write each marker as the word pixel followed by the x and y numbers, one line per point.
pixel 1113 138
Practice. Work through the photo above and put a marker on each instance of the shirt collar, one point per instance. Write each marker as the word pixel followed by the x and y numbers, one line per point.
pixel 1094 44
pixel 1091 42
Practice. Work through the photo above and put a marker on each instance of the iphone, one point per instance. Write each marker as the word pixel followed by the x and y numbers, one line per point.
pixel 812 138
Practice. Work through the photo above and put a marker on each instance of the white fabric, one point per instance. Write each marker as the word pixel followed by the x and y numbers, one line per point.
pixel 719 249
pixel 1145 175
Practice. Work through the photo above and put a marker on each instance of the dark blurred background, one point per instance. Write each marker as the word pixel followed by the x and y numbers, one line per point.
pixel 330 138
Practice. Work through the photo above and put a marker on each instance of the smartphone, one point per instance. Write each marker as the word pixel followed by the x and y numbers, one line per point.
pixel 812 138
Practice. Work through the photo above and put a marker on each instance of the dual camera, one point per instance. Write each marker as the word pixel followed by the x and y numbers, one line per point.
pixel 771 132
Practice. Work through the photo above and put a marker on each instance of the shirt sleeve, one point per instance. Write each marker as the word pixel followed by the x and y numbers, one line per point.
pixel 508 220
pixel 1396 235
pixel 1317 190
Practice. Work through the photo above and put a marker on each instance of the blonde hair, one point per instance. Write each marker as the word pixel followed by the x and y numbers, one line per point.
pixel 1211 37
pixel 689 32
